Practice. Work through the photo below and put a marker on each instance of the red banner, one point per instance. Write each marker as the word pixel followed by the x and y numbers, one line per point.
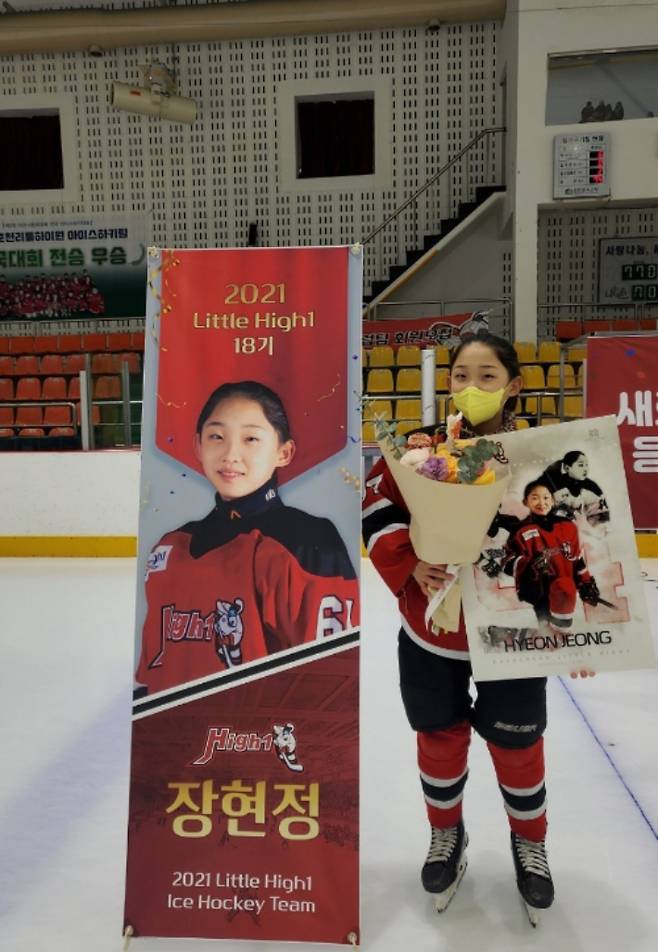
pixel 622 378
pixel 436 331
pixel 243 813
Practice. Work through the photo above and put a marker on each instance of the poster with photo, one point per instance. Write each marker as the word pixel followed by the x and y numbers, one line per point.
pixel 243 815
pixel 558 584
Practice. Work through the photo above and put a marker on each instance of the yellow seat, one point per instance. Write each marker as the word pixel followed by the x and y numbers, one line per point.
pixel 442 378
pixel 407 410
pixel 408 380
pixel 442 356
pixel 382 357
pixel 378 409
pixel 573 407
pixel 518 406
pixel 547 405
pixel 408 355
pixel 525 351
pixel 580 377
pixel 364 358
pixel 379 381
pixel 406 426
pixel 533 377
pixel 368 434
pixel 548 352
pixel 577 354
pixel 553 377
pixel 522 424
pixel 549 421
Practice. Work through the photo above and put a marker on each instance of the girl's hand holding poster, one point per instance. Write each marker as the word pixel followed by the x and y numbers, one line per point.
pixel 558 583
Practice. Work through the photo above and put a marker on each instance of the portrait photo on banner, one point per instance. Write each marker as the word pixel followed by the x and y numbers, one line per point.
pixel 558 583
pixel 248 553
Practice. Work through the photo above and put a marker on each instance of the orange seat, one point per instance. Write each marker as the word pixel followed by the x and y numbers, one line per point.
pixel 31 431
pixel 57 416
pixel 45 345
pixel 137 340
pixel 6 416
pixel 21 345
pixel 74 388
pixel 95 414
pixel 61 431
pixel 28 388
pixel 6 365
pixel 52 364
pixel 107 388
pixel 6 431
pixel 93 342
pixel 6 388
pixel 117 342
pixel 132 359
pixel 27 365
pixel 75 363
pixel 5 345
pixel 54 388
pixel 29 416
pixel 103 364
pixel 70 343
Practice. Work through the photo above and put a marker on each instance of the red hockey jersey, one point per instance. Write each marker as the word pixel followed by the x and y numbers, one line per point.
pixel 252 578
pixel 542 549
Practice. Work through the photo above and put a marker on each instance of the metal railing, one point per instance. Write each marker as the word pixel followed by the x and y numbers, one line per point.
pixel 580 312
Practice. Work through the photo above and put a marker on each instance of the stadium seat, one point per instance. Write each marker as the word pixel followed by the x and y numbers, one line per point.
pixel 577 354
pixel 6 416
pixel 553 377
pixel 573 408
pixel 74 389
pixel 368 434
pixel 6 431
pixel 54 388
pixel 407 410
pixel 442 356
pixel 580 377
pixel 549 421
pixel 378 408
pixel 132 359
pixel 75 363
pixel 526 351
pixel 29 416
pixel 57 416
pixel 381 357
pixel 379 381
pixel 21 345
pixel 533 377
pixel 548 406
pixel 45 345
pixel 522 424
pixel 116 342
pixel 51 364
pixel 103 364
pixel 6 388
pixel 107 388
pixel 6 365
pixel 137 340
pixel 518 406
pixel 442 379
pixel 406 426
pixel 31 431
pixel 408 355
pixel 70 343
pixel 93 342
pixel 28 388
pixel 61 431
pixel 95 414
pixel 5 345
pixel 408 380
pixel 548 352
pixel 26 365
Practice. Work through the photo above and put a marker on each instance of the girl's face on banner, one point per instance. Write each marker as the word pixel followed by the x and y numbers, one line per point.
pixel 539 501
pixel 239 449
pixel 578 469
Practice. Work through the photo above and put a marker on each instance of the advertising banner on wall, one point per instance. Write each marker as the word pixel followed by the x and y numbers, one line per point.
pixel 558 586
pixel 68 268
pixel 243 816
pixel 622 378
pixel 423 331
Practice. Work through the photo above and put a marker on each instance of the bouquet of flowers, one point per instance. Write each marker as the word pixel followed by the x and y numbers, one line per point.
pixel 452 488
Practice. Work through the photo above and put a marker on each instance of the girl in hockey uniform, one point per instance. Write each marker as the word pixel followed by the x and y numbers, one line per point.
pixel 545 558
pixel 573 490
pixel 485 379
pixel 254 576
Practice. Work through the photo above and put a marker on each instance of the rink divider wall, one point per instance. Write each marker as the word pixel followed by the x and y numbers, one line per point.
pixel 86 505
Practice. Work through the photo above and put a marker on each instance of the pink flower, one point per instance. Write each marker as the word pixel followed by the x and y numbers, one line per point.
pixel 436 467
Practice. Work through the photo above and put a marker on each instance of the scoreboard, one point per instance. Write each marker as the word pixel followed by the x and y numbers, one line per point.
pixel 580 165
pixel 628 269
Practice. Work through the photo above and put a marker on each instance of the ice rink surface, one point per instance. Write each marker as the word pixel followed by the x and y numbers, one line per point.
pixel 64 733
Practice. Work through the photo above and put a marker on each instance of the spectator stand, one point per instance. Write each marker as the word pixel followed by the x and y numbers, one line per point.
pixel 573 320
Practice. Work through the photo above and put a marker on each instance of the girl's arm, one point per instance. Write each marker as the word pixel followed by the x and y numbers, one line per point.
pixel 385 522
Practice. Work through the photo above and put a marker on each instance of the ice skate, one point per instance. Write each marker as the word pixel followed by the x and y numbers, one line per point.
pixel 445 864
pixel 533 877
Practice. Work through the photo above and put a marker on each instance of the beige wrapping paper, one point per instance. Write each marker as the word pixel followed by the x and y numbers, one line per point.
pixel 449 522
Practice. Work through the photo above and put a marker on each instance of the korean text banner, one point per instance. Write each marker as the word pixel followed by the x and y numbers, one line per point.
pixel 558 585
pixel 243 816
pixel 69 268
pixel 622 378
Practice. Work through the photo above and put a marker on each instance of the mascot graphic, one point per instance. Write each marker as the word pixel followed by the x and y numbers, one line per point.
pixel 285 745
pixel 229 631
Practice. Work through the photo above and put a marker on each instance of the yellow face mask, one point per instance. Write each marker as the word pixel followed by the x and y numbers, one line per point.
pixel 478 405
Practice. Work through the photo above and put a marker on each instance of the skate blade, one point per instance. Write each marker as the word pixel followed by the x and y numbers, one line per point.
pixel 442 900
pixel 532 912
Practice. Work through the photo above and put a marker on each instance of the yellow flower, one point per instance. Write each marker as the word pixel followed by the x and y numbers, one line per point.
pixel 486 478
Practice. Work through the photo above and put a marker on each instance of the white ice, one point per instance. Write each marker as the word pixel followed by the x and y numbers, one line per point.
pixel 64 734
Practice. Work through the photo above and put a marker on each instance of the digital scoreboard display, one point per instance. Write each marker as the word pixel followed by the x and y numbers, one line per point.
pixel 628 269
pixel 580 165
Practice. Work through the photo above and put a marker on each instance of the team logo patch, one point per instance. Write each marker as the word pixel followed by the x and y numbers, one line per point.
pixel 157 560
pixel 281 739
pixel 229 631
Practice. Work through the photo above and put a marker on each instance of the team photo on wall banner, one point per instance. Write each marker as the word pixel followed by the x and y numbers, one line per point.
pixel 558 585
pixel 243 814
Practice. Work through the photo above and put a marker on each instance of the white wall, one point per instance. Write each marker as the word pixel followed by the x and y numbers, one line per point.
pixel 70 494
pixel 534 29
